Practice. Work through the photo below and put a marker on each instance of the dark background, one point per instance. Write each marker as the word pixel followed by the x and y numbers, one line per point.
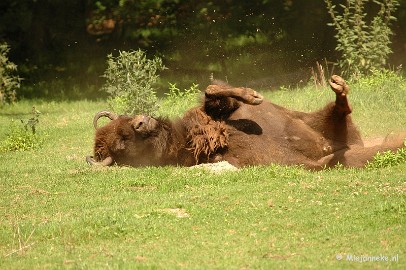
pixel 61 46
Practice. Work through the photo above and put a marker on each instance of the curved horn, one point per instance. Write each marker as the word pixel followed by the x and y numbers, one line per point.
pixel 110 115
pixel 106 162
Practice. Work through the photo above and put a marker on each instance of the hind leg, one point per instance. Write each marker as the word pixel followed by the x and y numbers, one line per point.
pixel 340 87
pixel 358 156
pixel 334 122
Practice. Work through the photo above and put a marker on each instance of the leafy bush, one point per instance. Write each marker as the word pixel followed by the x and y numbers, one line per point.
pixel 364 45
pixel 9 83
pixel 23 136
pixel 177 101
pixel 129 82
pixel 378 78
pixel 388 158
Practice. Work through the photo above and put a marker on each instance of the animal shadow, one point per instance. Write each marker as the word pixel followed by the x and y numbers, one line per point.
pixel 245 125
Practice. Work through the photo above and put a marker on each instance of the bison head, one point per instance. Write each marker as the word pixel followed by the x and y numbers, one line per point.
pixel 136 141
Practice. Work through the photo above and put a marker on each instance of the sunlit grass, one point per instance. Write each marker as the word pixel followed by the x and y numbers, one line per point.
pixel 58 212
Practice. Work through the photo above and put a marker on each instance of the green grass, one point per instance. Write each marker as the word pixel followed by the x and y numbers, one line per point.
pixel 58 212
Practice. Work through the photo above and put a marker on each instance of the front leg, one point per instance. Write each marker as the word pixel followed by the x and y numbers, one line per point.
pixel 246 95
pixel 222 100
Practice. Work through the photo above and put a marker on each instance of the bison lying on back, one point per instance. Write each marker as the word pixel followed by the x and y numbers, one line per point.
pixel 236 125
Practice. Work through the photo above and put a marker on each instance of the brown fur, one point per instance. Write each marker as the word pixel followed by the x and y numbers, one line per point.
pixel 236 125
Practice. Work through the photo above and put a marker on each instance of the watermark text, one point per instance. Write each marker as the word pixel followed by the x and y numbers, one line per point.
pixel 367 258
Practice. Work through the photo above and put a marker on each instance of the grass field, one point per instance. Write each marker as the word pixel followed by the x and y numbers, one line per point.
pixel 58 212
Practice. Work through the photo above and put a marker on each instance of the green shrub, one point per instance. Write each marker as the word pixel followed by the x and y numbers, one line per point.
pixel 9 82
pixel 23 135
pixel 378 78
pixel 130 79
pixel 388 159
pixel 365 45
pixel 177 101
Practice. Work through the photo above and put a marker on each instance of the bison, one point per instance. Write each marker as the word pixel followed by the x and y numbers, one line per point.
pixel 235 124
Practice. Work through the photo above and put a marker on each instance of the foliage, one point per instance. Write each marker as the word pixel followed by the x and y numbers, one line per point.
pixel 9 82
pixel 177 101
pixel 243 40
pixel 364 45
pixel 130 78
pixel 378 78
pixel 388 159
pixel 175 93
pixel 23 136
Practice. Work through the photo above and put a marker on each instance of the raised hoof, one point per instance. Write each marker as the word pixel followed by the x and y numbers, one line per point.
pixel 253 97
pixel 339 85
pixel 341 89
pixel 249 96
pixel 246 95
